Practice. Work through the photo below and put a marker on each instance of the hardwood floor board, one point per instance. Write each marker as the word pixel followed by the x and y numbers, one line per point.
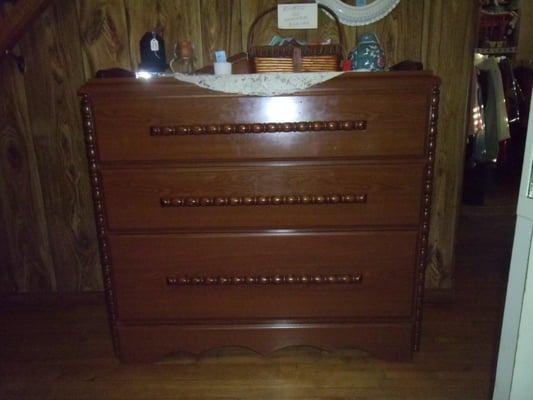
pixel 86 392
pixel 64 352
pixel 76 369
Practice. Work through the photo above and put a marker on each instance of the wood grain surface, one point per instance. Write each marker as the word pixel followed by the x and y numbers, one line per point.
pixel 133 196
pixel 174 20
pixel 327 29
pixel 21 194
pixel 449 54
pixel 455 361
pixel 7 281
pixel 397 32
pixel 525 42
pixel 103 29
pixel 107 32
pixel 267 25
pixel 221 27
pixel 384 260
pixel 55 72
pixel 276 205
pixel 395 124
pixel 15 19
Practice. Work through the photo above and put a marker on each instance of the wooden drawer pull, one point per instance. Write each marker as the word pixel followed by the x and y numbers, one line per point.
pixel 303 126
pixel 264 280
pixel 305 199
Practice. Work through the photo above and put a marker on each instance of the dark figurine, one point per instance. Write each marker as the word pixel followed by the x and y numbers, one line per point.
pixel 153 57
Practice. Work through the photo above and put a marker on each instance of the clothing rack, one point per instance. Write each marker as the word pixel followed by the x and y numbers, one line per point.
pixel 495 137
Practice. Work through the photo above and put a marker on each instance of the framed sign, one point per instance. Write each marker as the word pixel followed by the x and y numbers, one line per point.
pixel 356 15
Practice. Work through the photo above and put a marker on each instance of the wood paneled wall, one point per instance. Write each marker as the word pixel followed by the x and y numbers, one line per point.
pixel 48 236
pixel 450 34
pixel 525 38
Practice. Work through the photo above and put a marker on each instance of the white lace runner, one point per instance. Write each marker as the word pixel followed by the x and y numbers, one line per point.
pixel 266 84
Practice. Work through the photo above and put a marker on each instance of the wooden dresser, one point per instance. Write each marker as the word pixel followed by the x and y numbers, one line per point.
pixel 263 222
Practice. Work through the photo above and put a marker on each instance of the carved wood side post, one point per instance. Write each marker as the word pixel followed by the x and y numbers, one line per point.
pixel 426 213
pixel 98 201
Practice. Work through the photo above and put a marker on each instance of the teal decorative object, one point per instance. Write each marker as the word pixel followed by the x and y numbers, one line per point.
pixel 368 54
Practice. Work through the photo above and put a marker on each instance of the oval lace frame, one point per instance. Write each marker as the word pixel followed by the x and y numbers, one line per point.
pixel 360 15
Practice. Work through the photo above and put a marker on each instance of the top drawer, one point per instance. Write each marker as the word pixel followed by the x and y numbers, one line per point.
pixel 180 128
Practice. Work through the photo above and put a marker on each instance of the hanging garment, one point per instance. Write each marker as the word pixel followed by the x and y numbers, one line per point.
pixel 477 125
pixel 513 93
pixel 511 155
pixel 496 121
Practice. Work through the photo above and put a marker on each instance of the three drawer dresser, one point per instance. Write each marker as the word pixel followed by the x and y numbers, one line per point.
pixel 263 222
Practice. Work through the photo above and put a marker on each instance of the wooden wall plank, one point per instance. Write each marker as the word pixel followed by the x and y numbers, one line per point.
pixel 221 27
pixel 525 37
pixel 327 29
pixel 173 19
pixel 22 203
pixel 400 33
pixel 7 280
pixel 267 26
pixel 104 35
pixel 450 55
pixel 54 73
pixel 17 19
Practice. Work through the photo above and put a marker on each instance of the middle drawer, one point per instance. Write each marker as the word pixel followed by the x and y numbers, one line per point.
pixel 272 197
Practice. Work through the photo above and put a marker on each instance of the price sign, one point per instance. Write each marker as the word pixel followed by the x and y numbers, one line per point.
pixel 298 16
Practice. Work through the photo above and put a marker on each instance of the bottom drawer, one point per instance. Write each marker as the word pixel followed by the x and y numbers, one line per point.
pixel 264 276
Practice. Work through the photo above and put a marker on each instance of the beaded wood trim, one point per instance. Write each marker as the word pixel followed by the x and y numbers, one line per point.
pixel 426 213
pixel 277 200
pixel 303 126
pixel 264 280
pixel 98 201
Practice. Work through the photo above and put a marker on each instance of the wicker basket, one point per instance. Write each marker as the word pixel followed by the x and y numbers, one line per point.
pixel 290 58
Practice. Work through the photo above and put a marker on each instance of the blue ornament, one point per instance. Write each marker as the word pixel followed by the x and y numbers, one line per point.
pixel 368 54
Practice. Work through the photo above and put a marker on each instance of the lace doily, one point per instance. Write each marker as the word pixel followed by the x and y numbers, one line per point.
pixel 267 84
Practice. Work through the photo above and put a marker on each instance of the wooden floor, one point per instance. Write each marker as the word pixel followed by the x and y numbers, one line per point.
pixel 64 352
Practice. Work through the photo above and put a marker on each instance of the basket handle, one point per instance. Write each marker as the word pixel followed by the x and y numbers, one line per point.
pixel 251 32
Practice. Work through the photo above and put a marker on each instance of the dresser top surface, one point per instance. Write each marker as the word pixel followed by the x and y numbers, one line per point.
pixel 361 82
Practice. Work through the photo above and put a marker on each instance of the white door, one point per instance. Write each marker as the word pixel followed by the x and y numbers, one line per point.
pixel 514 374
